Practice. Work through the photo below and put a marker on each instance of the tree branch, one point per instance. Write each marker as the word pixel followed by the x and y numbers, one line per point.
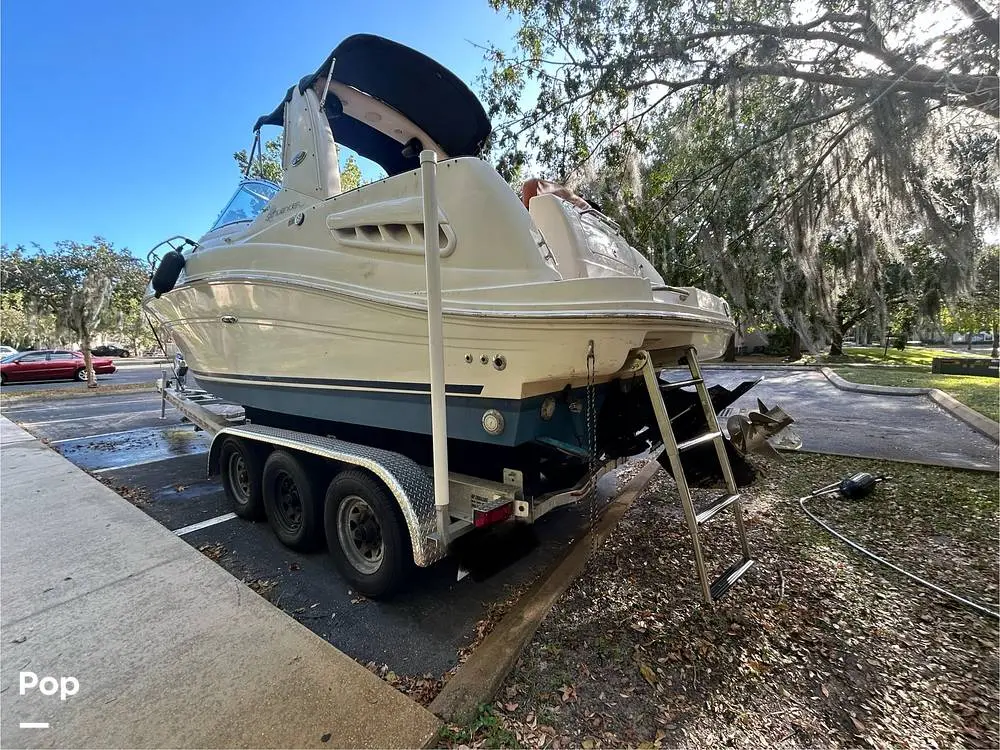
pixel 986 24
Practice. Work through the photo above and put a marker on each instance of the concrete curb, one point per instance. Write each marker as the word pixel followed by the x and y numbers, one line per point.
pixel 478 680
pixel 136 362
pixel 754 366
pixel 881 390
pixel 981 424
pixel 816 366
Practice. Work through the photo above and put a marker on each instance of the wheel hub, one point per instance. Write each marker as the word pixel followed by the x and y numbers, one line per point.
pixel 289 503
pixel 360 534
pixel 240 476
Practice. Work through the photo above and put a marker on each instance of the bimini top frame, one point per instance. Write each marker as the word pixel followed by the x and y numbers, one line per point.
pixel 422 91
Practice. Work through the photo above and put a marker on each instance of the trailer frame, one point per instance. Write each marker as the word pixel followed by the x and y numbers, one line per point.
pixel 411 484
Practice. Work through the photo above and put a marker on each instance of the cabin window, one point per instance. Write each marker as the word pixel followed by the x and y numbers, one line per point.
pixel 250 199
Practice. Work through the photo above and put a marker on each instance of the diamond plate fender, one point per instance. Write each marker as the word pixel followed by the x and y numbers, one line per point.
pixel 409 483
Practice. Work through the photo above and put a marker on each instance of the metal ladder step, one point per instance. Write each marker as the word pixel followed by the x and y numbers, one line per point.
pixel 708 437
pixel 672 384
pixel 656 388
pixel 720 504
pixel 727 580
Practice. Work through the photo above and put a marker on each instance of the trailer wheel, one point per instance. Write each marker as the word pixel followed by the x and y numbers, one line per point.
pixel 365 534
pixel 241 478
pixel 290 502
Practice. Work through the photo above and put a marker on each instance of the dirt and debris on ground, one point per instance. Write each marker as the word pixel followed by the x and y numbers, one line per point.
pixel 817 646
pixel 425 688
pixel 138 496
pixel 213 552
pixel 266 588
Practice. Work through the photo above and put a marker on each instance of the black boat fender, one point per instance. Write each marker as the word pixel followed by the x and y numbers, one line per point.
pixel 165 275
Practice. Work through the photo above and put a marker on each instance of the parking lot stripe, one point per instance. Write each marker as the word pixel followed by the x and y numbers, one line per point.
pixel 92 416
pixel 157 459
pixel 205 524
pixel 104 435
pixel 62 405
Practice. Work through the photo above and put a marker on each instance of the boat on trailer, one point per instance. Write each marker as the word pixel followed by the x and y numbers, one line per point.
pixel 308 305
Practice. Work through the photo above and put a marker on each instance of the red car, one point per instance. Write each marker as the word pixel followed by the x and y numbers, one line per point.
pixel 50 364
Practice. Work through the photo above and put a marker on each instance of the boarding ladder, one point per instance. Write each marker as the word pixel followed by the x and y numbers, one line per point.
pixel 711 590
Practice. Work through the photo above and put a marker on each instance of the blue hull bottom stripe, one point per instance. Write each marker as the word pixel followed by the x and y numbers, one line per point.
pixel 372 385
pixel 390 408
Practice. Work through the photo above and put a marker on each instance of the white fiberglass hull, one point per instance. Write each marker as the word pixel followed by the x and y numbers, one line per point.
pixel 291 348
pixel 286 332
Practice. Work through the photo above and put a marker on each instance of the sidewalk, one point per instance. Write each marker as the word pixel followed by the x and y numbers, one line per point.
pixel 168 649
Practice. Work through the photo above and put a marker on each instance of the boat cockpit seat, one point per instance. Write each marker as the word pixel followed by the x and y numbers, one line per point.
pixel 536 186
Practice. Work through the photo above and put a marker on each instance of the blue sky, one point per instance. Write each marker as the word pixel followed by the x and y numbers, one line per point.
pixel 120 119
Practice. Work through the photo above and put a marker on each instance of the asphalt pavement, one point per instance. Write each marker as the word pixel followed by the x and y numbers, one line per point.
pixel 829 420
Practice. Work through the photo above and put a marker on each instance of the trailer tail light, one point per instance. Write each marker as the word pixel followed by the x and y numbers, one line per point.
pixel 483 518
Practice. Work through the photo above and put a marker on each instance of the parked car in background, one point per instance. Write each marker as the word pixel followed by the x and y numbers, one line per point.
pixel 50 364
pixel 6 351
pixel 110 350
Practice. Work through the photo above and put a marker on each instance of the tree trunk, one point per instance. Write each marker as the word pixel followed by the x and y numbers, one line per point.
pixel 88 361
pixel 796 352
pixel 837 343
pixel 996 340
pixel 730 353
pixel 968 342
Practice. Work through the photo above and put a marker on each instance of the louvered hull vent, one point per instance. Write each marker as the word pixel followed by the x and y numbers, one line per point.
pixel 394 237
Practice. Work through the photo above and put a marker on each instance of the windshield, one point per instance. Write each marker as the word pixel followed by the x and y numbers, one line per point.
pixel 250 199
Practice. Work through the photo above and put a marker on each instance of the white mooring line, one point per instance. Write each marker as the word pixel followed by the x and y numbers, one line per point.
pixel 205 524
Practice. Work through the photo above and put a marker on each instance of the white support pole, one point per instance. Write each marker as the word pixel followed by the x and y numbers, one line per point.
pixel 435 338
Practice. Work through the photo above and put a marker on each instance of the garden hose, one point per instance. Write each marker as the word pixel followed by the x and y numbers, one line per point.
pixel 860 485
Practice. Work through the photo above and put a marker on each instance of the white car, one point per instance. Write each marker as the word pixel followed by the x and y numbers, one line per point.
pixel 6 351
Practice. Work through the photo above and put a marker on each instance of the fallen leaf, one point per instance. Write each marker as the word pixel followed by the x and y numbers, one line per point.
pixel 757 667
pixel 648 674
pixel 826 693
pixel 510 706
pixel 568 693
pixel 858 725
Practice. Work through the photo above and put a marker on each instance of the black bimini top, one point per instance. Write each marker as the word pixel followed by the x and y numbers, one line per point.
pixel 427 94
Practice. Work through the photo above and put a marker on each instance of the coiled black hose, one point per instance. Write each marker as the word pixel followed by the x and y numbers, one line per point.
pixel 961 600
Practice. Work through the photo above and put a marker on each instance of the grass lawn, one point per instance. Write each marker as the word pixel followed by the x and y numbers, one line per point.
pixel 910 356
pixel 981 394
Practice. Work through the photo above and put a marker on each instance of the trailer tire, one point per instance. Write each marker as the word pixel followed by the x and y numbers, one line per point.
pixel 290 502
pixel 366 535
pixel 241 470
